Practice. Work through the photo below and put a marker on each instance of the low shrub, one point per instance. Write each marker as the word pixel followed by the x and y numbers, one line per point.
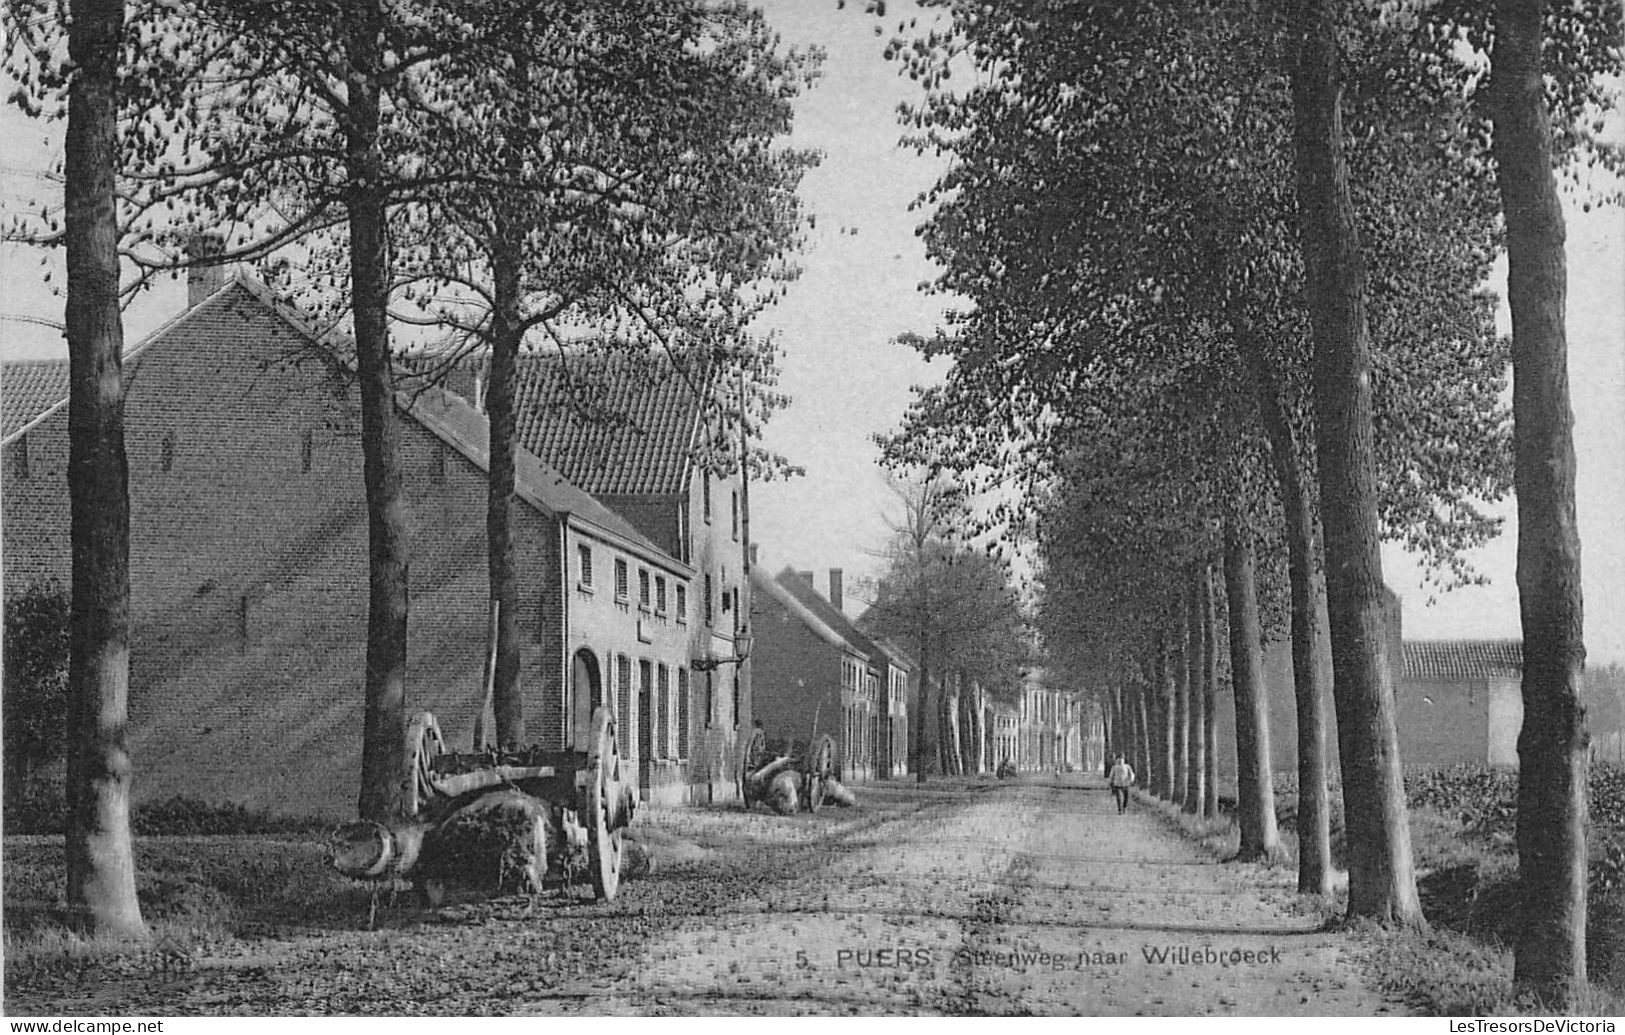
pixel 191 817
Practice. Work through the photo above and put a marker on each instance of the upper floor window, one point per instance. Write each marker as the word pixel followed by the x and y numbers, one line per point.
pixel 735 504
pixel 620 579
pixel 660 594
pixel 710 592
pixel 705 494
pixel 584 553
pixel 307 451
pixel 643 587
pixel 682 602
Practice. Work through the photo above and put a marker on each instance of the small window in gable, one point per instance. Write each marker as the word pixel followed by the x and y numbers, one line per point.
pixel 307 451
pixel 437 462
pixel 166 452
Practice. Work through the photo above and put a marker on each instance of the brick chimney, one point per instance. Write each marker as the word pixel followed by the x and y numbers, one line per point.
pixel 203 280
pixel 835 588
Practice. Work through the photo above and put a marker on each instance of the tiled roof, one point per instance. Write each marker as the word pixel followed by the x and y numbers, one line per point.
pixel 467 430
pixel 31 388
pixel 28 388
pixel 616 424
pixel 1463 659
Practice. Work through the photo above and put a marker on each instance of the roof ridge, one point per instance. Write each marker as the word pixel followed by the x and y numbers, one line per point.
pixel 134 352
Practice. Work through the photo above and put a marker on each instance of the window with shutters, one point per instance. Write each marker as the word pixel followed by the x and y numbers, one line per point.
pixel 623 704
pixel 620 579
pixel 665 735
pixel 660 594
pixel 685 710
pixel 643 588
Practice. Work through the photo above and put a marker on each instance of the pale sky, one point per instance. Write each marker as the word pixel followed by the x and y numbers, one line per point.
pixel 858 292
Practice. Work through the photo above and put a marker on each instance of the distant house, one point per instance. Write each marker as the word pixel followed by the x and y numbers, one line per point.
pixel 1460 701
pixel 1006 732
pixel 813 664
pixel 249 566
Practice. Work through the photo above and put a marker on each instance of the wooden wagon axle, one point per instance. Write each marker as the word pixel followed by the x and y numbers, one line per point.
pixel 528 815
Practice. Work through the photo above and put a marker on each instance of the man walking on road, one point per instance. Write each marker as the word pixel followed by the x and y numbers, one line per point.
pixel 1121 778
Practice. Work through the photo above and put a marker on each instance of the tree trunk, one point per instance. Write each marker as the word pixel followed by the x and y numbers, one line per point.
pixel 1195 692
pixel 1382 880
pixel 1167 717
pixel 507 696
pixel 1549 954
pixel 100 857
pixel 1182 699
pixel 383 764
pixel 918 722
pixel 1142 720
pixel 1210 690
pixel 1255 793
pixel 1311 667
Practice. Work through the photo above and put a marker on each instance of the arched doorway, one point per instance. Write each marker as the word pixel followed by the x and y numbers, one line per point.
pixel 586 693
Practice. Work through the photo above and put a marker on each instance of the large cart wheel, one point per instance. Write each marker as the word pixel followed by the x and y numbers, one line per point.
pixel 423 744
pixel 751 759
pixel 600 811
pixel 820 768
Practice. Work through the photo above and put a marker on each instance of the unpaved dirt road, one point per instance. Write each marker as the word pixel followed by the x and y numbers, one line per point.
pixel 992 899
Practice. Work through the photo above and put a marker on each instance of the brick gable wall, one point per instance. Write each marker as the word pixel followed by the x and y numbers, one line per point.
pixel 248 568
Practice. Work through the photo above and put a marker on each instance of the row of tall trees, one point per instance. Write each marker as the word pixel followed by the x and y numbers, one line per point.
pixel 1224 265
pixel 956 610
pixel 495 169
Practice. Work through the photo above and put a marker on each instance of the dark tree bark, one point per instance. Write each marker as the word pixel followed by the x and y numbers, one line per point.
pixel 1196 693
pixel 917 726
pixel 1311 667
pixel 100 859
pixel 1182 698
pixel 1382 880
pixel 383 766
pixel 1142 720
pixel 1549 954
pixel 1167 712
pixel 507 695
pixel 1210 689
pixel 1255 793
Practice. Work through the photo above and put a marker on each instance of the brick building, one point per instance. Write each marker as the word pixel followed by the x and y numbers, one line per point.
pixel 811 662
pixel 1457 701
pixel 249 570
pixel 636 433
